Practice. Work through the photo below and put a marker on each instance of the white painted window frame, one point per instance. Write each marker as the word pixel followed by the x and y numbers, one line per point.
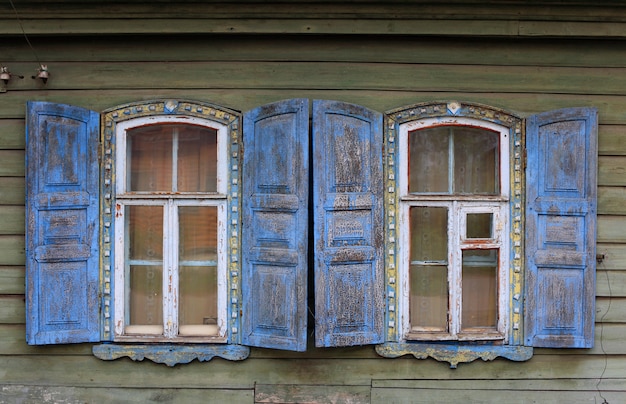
pixel 458 207
pixel 170 202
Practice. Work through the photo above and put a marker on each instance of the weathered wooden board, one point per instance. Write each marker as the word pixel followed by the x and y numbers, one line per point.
pixel 11 280
pixel 331 76
pixel 416 396
pixel 87 371
pixel 11 309
pixel 12 220
pixel 496 51
pixel 12 250
pixel 611 229
pixel 612 140
pixel 12 190
pixel 64 394
pixel 610 310
pixel 611 200
pixel 327 394
pixel 11 134
pixel 614 256
pixel 611 108
pixel 12 163
pixel 612 171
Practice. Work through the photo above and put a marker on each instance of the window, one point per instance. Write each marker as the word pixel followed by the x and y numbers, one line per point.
pixel 454 224
pixel 448 230
pixel 489 231
pixel 170 234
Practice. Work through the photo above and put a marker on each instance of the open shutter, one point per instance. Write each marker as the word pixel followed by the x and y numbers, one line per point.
pixel 62 224
pixel 348 190
pixel 561 228
pixel 275 216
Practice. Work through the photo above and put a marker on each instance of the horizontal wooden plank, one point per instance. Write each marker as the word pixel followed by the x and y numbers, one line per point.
pixel 614 256
pixel 289 48
pixel 12 134
pixel 575 10
pixel 13 342
pixel 612 140
pixel 610 283
pixel 12 309
pixel 64 394
pixel 12 251
pixel 87 371
pixel 611 229
pixel 12 163
pixel 610 310
pixel 12 191
pixel 611 108
pixel 611 200
pixel 11 280
pixel 288 394
pixel 612 170
pixel 416 396
pixel 12 220
pixel 328 75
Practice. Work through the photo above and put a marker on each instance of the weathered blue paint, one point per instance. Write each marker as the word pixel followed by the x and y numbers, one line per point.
pixel 455 353
pixel 171 354
pixel 62 224
pixel 275 225
pixel 561 228
pixel 348 220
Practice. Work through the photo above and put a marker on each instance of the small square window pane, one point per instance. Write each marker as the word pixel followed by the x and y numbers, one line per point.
pixel 149 158
pixel 476 161
pixel 197 159
pixel 479 225
pixel 429 151
pixel 428 308
pixel 429 233
pixel 480 293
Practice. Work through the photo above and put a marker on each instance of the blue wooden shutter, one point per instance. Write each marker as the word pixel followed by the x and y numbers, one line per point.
pixel 348 221
pixel 561 228
pixel 62 224
pixel 275 225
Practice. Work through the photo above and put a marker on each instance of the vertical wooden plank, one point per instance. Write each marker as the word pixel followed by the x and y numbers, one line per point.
pixel 348 188
pixel 275 208
pixel 561 228
pixel 62 224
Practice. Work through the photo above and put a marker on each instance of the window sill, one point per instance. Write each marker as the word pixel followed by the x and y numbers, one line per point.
pixel 454 353
pixel 171 354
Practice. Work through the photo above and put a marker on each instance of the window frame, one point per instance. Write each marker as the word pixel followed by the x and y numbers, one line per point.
pixel 456 204
pixel 453 352
pixel 170 201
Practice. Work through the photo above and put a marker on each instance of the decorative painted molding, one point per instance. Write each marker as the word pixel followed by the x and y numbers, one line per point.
pixel 171 354
pixel 455 354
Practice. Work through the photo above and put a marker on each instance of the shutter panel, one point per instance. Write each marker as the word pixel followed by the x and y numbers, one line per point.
pixel 348 187
pixel 561 228
pixel 275 225
pixel 62 224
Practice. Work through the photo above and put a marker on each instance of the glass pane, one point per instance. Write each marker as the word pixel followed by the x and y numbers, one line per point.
pixel 146 295
pixel 429 160
pixel 197 159
pixel 149 158
pixel 428 308
pixel 429 233
pixel 480 292
pixel 198 270
pixel 145 232
pixel 145 262
pixel 479 225
pixel 475 161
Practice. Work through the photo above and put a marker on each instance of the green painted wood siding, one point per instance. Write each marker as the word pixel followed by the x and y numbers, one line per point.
pixel 519 58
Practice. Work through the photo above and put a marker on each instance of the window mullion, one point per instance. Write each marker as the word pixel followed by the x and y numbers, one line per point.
pixel 454 272
pixel 175 159
pixel 170 273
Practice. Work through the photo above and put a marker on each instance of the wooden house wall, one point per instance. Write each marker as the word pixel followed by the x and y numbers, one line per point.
pixel 521 58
